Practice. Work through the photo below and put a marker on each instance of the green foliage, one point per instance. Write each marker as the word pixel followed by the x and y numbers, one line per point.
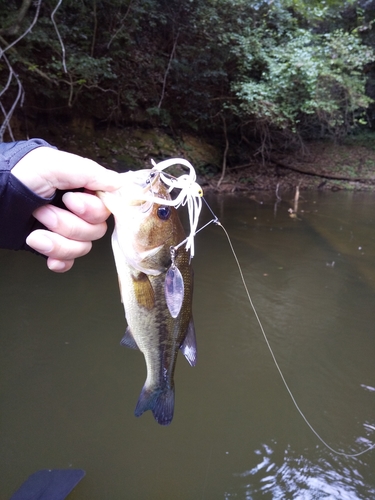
pixel 308 83
pixel 316 11
pixel 295 66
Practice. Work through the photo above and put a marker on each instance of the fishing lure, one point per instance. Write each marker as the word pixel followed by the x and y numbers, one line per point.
pixel 191 194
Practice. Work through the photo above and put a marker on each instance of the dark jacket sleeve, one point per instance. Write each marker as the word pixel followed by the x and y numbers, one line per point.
pixel 17 202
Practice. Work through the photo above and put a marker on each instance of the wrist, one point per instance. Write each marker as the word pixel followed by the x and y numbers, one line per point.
pixel 29 171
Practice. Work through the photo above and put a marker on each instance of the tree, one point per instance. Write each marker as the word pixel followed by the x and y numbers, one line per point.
pixel 309 84
pixel 233 68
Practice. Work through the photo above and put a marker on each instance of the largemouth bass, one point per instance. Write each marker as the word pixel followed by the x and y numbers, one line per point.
pixel 142 239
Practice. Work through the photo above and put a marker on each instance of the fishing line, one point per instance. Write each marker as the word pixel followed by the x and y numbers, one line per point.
pixel 191 195
pixel 347 455
pixel 215 221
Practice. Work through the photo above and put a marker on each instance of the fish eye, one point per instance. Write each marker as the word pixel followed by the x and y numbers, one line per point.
pixel 150 177
pixel 164 213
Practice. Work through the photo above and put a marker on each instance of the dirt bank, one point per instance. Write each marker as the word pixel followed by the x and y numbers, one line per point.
pixel 318 165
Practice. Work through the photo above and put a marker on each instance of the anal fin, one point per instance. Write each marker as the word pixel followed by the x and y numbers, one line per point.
pixel 128 340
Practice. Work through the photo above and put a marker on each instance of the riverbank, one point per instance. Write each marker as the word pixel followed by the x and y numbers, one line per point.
pixel 318 165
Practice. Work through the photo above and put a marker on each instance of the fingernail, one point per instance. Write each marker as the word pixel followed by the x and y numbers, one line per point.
pixel 48 217
pixel 56 265
pixel 40 243
pixel 75 202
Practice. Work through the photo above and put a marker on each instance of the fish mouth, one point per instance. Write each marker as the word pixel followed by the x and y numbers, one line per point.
pixel 139 188
pixel 144 188
pixel 148 183
pixel 150 186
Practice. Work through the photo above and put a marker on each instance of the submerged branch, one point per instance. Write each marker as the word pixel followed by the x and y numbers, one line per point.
pixel 296 199
pixel 225 154
pixel 323 175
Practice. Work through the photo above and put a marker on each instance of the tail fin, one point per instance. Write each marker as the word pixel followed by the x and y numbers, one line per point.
pixel 160 401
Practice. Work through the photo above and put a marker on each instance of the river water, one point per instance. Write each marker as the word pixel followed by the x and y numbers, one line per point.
pixel 68 390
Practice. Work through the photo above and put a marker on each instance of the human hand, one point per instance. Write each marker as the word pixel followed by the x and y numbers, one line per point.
pixel 70 232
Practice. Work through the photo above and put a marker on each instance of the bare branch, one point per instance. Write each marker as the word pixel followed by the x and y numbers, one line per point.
pixel 122 24
pixel 99 88
pixel 10 77
pixel 58 35
pixel 168 68
pixel 224 168
pixel 13 30
pixel 12 74
pixel 28 65
pixel 25 32
pixel 71 90
pixel 324 175
pixel 20 95
pixel 8 125
pixel 94 30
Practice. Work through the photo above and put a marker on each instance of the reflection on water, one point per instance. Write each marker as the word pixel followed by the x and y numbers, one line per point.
pixel 68 390
pixel 298 477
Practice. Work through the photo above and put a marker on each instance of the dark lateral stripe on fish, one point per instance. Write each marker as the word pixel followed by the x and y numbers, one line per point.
pixel 159 401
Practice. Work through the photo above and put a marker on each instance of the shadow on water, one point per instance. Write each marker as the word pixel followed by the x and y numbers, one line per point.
pixel 68 390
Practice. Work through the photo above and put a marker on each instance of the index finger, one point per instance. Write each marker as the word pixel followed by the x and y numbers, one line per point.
pixel 87 206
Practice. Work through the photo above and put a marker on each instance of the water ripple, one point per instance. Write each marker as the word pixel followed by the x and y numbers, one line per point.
pixel 300 478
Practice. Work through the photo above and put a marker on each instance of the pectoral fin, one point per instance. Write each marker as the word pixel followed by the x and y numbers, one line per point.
pixel 143 291
pixel 189 345
pixel 128 340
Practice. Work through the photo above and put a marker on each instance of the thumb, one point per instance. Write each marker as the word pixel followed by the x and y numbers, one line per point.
pixel 44 169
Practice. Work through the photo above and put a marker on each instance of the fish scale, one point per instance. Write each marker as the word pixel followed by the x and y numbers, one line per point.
pixel 143 235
